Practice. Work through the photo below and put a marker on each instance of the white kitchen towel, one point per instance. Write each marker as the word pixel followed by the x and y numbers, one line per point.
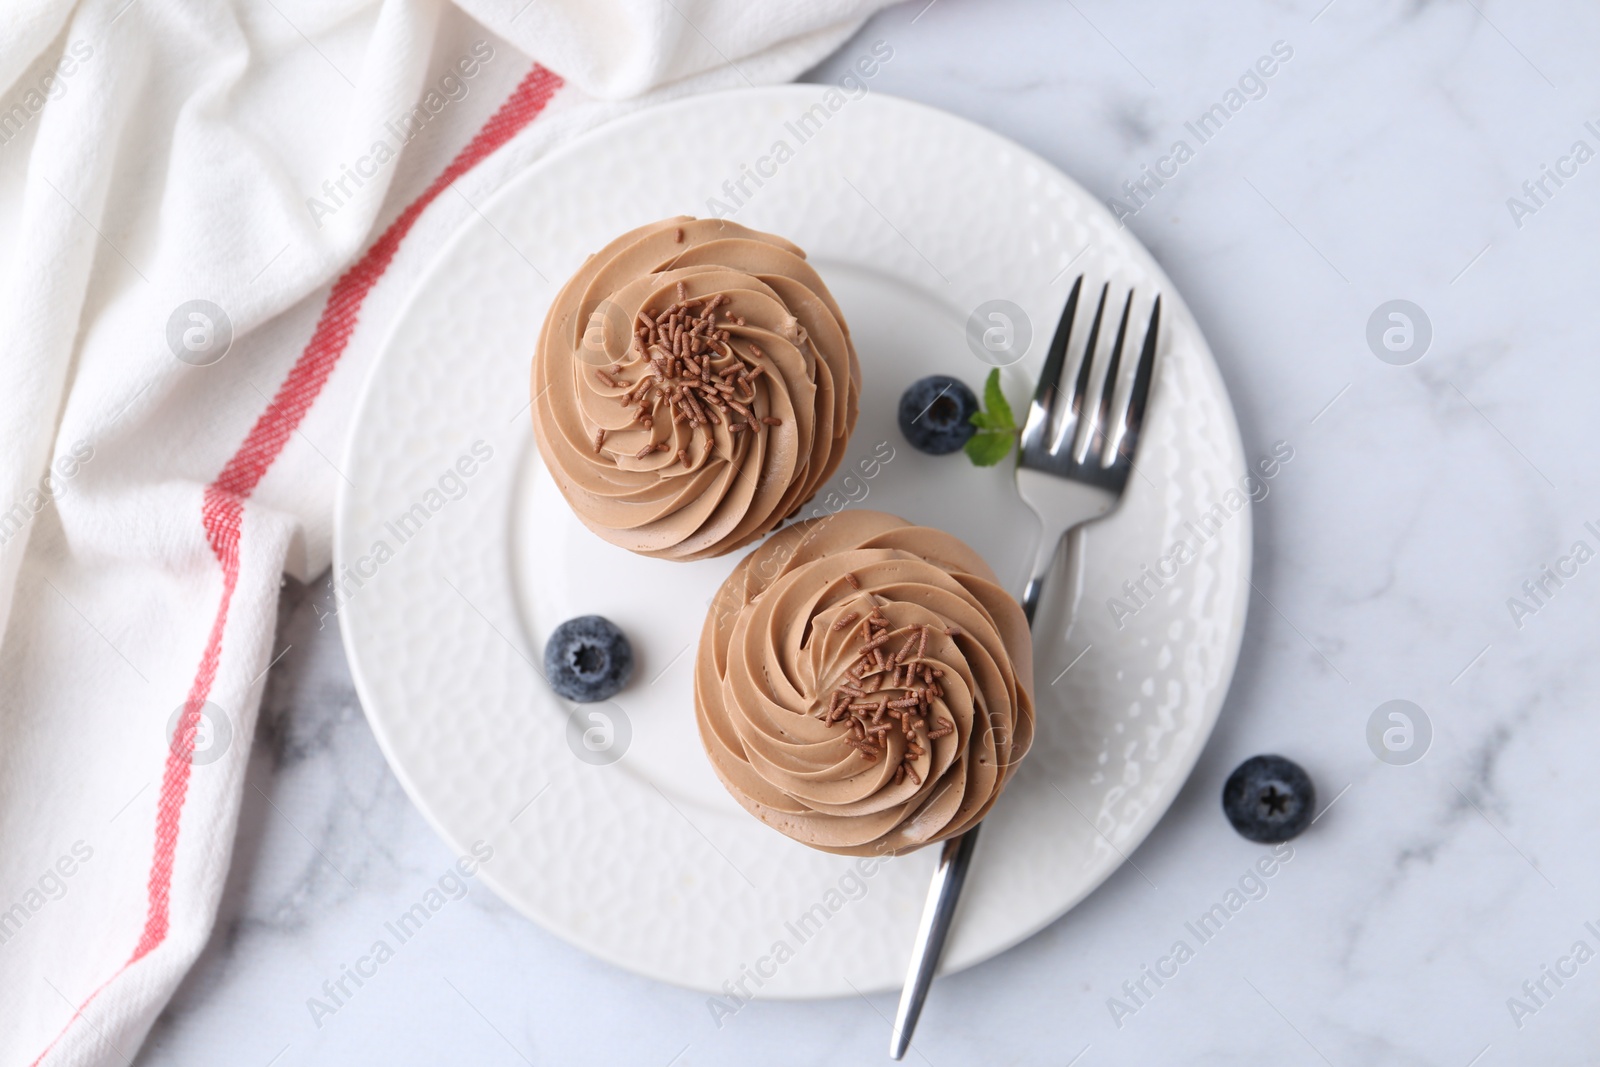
pixel 209 213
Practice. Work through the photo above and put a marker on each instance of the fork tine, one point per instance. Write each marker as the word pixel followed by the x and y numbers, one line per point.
pixel 1139 395
pixel 1100 415
pixel 1067 430
pixel 1048 391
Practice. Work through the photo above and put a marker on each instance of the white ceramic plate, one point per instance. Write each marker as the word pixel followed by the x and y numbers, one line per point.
pixel 635 852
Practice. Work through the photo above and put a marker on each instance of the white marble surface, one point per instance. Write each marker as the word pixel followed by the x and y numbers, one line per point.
pixel 1377 165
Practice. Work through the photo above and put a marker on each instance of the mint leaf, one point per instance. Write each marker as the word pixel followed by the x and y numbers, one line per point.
pixel 988 448
pixel 997 429
pixel 995 401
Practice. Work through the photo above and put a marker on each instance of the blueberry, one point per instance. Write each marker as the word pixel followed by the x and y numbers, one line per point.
pixel 588 659
pixel 936 414
pixel 1269 799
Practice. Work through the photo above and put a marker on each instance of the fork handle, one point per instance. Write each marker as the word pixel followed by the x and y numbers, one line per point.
pixel 954 859
pixel 943 892
pixel 1062 506
pixel 1044 559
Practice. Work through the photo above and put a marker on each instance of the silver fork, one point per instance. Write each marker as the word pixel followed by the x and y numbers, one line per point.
pixel 1073 466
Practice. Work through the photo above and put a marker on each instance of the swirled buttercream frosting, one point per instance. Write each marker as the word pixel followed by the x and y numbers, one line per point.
pixel 864 685
pixel 694 384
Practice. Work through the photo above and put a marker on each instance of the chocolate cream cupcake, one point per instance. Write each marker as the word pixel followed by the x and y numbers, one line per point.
pixel 864 685
pixel 694 385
